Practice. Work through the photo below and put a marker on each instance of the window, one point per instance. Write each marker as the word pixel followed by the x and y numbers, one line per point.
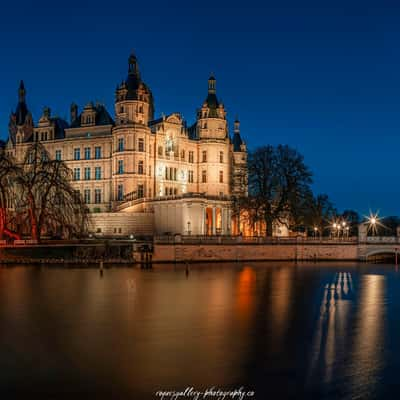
pixel 204 156
pixel 141 145
pixel 120 192
pixel 166 172
pixel 191 157
pixel 175 174
pixel 97 196
pixel 77 174
pixel 166 191
pixel 121 144
pixel 97 152
pixel 160 150
pixel 87 153
pixel 140 168
pixel 221 157
pixel 120 166
pixel 175 191
pixel 77 196
pixel 58 155
pixel 149 170
pixel 97 173
pixel 190 178
pixel 77 154
pixel 221 176
pixel 86 196
pixel 204 176
pixel 182 154
pixel 140 191
pixel 87 173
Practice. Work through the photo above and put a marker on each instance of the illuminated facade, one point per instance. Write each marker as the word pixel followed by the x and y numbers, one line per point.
pixel 175 178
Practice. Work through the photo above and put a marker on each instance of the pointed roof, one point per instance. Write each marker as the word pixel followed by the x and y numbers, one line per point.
pixel 212 100
pixel 237 139
pixel 21 111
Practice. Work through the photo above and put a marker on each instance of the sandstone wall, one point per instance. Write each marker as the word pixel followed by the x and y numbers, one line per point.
pixel 218 252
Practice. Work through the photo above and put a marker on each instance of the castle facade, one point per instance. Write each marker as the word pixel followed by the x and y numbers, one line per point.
pixel 139 174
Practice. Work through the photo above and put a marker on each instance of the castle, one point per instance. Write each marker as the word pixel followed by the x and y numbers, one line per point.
pixel 139 174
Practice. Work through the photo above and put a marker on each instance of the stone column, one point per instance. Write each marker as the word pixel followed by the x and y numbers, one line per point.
pixel 223 221
pixel 214 231
pixel 229 221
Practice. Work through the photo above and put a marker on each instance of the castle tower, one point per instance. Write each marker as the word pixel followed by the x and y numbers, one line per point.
pixel 239 163
pixel 133 98
pixel 212 132
pixel 211 117
pixel 20 126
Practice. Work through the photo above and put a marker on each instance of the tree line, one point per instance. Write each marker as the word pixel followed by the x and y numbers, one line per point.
pixel 37 198
pixel 279 192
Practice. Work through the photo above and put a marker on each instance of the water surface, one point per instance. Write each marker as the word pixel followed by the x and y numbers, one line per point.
pixel 282 330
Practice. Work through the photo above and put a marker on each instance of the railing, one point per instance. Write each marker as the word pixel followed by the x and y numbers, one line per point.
pixel 222 239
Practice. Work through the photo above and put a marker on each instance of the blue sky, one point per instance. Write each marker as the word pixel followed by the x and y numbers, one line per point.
pixel 322 77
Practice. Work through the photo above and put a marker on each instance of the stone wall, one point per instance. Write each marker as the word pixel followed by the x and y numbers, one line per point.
pixel 243 252
pixel 121 224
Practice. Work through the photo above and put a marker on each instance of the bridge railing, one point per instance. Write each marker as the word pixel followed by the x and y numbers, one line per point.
pixel 223 239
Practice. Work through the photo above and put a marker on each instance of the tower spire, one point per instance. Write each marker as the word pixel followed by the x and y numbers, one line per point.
pixel 21 92
pixel 133 68
pixel 211 84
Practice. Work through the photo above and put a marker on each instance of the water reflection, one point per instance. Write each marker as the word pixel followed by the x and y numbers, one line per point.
pixel 367 361
pixel 283 330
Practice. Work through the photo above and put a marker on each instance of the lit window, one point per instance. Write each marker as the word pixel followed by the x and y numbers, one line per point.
pixel 87 173
pixel 97 196
pixel 77 174
pixel 97 173
pixel 97 152
pixel 121 144
pixel 120 166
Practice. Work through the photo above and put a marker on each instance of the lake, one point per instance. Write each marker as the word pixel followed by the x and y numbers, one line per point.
pixel 280 330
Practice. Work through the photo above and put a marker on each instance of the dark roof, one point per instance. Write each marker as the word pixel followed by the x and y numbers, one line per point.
pixel 21 113
pixel 192 132
pixel 237 142
pixel 59 127
pixel 102 117
pixel 212 103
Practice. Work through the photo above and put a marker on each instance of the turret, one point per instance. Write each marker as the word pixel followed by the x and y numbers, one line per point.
pixel 21 124
pixel 211 117
pixel 133 98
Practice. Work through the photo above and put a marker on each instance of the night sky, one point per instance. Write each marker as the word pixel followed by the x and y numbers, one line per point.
pixel 323 77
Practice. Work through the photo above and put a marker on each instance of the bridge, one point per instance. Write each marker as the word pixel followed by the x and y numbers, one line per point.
pixel 229 248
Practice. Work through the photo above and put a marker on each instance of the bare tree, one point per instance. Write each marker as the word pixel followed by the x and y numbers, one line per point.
pixel 8 174
pixel 279 181
pixel 319 213
pixel 47 198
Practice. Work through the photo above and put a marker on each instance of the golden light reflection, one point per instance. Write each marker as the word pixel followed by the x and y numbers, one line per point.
pixel 330 338
pixel 245 293
pixel 367 357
